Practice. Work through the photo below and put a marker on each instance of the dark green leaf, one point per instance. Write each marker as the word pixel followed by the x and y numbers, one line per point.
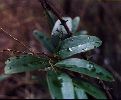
pixel 80 94
pixel 59 33
pixel 75 24
pixel 54 85
pixel 41 37
pixel 90 89
pixel 85 67
pixel 25 63
pixel 77 44
pixel 60 86
pixel 51 18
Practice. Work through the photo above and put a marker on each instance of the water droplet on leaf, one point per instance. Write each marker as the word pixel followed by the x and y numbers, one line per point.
pixel 86 49
pixel 89 37
pixel 70 49
pixel 91 67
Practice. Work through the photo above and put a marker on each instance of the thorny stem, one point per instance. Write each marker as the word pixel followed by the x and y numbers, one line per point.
pixel 16 40
pixel 47 6
pixel 41 53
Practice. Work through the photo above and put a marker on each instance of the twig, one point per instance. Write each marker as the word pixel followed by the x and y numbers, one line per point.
pixel 34 53
pixel 47 6
pixel 17 40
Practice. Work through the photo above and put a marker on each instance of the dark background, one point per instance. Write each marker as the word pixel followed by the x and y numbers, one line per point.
pixel 101 18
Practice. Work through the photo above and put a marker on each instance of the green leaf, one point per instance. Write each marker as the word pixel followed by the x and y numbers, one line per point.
pixel 41 37
pixel 25 63
pixel 77 44
pixel 54 85
pixel 90 89
pixel 75 24
pixel 60 86
pixel 80 94
pixel 51 18
pixel 59 33
pixel 67 86
pixel 85 67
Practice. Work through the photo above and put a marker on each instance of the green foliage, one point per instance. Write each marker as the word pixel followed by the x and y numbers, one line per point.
pixel 60 85
pixel 25 63
pixel 85 67
pixel 77 44
pixel 63 85
pixel 41 37
pixel 90 89
pixel 79 93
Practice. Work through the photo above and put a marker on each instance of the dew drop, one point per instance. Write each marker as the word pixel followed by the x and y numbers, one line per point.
pixel 86 49
pixel 95 47
pixel 83 49
pixel 79 46
pixel 89 37
pixel 72 39
pixel 91 67
pixel 70 49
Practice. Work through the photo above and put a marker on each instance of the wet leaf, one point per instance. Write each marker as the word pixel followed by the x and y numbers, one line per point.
pixel 85 67
pixel 90 89
pixel 67 86
pixel 25 63
pixel 77 44
pixel 54 85
pixel 60 85
pixel 80 94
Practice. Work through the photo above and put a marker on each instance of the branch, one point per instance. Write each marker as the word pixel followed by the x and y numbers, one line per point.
pixel 34 53
pixel 47 6
pixel 17 40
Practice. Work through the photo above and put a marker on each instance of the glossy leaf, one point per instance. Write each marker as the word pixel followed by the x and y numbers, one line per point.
pixel 77 44
pixel 85 67
pixel 59 33
pixel 42 38
pixel 25 63
pixel 60 86
pixel 67 86
pixel 54 85
pixel 75 24
pixel 80 94
pixel 90 89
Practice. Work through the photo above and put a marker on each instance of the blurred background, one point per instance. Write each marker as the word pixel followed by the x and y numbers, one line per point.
pixel 101 18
